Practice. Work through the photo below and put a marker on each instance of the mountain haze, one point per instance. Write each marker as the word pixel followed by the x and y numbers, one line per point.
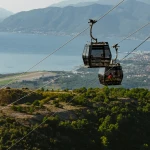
pixel 73 3
pixel 127 17
pixel 79 3
pixel 4 14
pixel 145 1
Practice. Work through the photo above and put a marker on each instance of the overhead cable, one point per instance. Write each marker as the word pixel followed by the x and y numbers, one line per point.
pixel 63 45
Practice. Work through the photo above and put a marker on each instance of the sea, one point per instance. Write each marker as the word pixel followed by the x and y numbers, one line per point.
pixel 20 52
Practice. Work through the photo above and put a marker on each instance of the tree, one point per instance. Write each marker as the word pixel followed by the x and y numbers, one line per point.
pixel 104 141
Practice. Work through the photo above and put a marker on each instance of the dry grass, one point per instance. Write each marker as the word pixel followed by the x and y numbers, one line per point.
pixel 28 76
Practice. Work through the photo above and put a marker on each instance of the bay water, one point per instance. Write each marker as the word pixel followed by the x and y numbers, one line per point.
pixel 19 52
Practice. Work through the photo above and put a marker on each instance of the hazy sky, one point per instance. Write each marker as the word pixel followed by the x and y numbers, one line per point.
pixel 22 5
pixel 25 5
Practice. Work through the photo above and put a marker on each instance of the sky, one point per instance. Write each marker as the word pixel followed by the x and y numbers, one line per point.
pixel 25 5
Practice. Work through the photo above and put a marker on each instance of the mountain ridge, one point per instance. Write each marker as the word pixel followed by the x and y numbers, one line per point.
pixel 78 3
pixel 4 14
pixel 72 19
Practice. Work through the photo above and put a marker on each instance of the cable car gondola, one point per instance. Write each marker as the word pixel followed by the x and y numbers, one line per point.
pixel 113 73
pixel 96 54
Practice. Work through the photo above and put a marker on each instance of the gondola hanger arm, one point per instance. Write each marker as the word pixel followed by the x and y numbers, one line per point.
pixel 92 22
pixel 116 48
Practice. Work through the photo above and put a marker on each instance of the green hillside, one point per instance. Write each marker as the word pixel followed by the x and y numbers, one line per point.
pixel 82 119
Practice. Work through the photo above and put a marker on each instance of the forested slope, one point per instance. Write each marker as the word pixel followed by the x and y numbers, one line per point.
pixel 82 119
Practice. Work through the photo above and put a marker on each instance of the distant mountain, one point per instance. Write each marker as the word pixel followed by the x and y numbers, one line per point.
pixel 78 3
pixel 127 17
pixel 145 1
pixel 68 19
pixel 73 3
pixel 4 14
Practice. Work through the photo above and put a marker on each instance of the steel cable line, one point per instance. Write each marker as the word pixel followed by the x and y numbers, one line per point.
pixel 63 44
pixel 136 48
pixel 130 52
pixel 59 77
pixel 128 55
pixel 46 57
pixel 69 101
pixel 130 36
pixel 98 20
pixel 133 33
pixel 123 59
pixel 40 123
pixel 139 54
pixel 79 34
pixel 138 117
pixel 35 128
pixel 28 94
pixel 51 81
